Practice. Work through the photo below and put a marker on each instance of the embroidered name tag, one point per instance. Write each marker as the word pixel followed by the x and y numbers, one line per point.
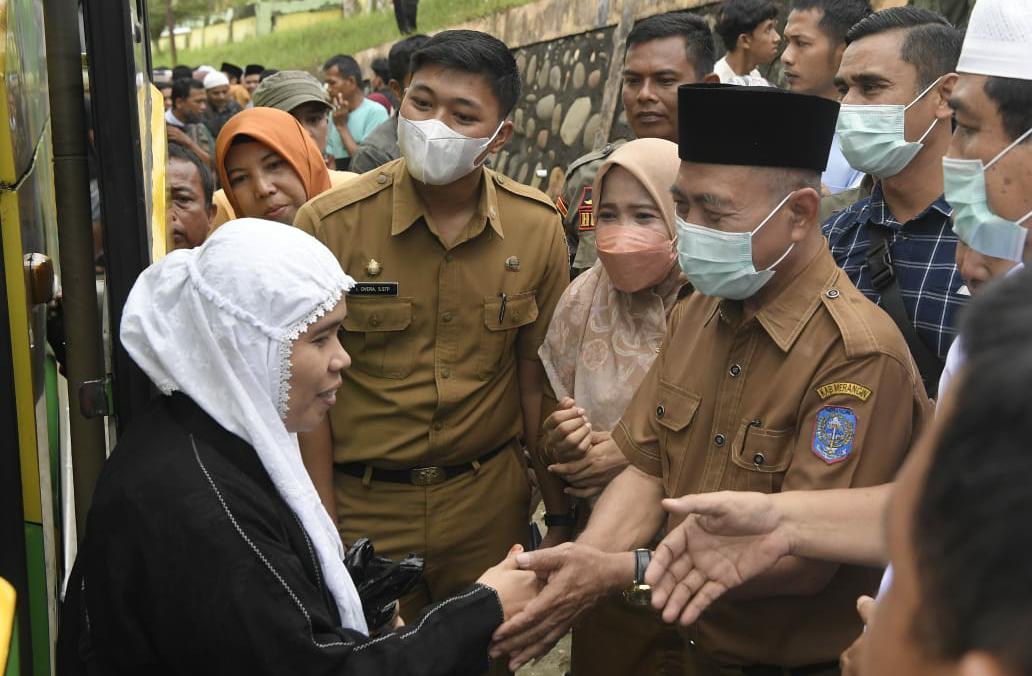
pixel 374 289
pixel 846 389
pixel 834 433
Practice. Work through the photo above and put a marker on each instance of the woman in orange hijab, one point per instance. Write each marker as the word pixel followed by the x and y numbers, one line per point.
pixel 268 166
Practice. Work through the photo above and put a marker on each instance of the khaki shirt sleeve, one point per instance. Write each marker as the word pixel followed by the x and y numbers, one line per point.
pixel 553 283
pixel 856 425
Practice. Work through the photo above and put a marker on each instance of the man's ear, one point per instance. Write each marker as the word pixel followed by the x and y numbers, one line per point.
pixel 744 41
pixel 945 90
pixel 805 207
pixel 395 88
pixel 503 137
pixel 212 210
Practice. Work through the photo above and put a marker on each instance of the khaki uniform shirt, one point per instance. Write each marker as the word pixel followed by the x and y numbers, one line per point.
pixel 435 332
pixel 815 391
pixel 576 207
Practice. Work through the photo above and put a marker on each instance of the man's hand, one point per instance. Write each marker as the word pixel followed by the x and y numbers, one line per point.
pixel 575 577
pixel 567 432
pixel 850 660
pixel 556 536
pixel 592 472
pixel 727 538
pixel 177 135
pixel 341 110
pixel 515 587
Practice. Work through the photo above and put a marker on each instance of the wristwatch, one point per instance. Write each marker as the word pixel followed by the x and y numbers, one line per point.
pixel 639 593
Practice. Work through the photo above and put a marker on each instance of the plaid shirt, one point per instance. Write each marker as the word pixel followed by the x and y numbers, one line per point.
pixel 923 256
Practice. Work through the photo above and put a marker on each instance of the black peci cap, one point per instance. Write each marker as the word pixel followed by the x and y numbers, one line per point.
pixel 253 69
pixel 754 126
pixel 232 70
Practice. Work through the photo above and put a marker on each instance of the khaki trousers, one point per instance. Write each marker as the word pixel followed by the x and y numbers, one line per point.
pixel 618 639
pixel 460 527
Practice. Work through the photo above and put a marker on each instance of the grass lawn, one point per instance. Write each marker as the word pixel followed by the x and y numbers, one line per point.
pixel 307 48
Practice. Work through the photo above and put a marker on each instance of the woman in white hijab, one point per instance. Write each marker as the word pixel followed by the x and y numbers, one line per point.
pixel 207 549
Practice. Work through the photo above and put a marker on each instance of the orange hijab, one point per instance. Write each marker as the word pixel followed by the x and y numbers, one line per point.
pixel 281 132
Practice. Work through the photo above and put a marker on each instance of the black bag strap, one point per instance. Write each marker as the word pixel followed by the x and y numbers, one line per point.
pixel 883 279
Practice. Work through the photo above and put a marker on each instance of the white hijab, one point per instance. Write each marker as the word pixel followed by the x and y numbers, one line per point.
pixel 218 324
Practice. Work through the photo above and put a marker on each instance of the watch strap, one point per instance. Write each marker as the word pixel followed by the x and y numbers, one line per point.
pixel 642 558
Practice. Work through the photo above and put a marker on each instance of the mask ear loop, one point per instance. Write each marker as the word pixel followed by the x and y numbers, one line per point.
pixel 770 216
pixel 489 142
pixel 919 97
pixel 1008 148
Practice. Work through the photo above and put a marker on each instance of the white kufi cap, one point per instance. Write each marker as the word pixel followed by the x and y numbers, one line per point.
pixel 215 79
pixel 999 40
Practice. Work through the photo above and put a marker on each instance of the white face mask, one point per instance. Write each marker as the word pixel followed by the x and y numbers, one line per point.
pixel 436 154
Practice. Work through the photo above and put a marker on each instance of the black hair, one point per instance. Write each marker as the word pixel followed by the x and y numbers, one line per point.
pixel 178 152
pixel 698 38
pixel 381 69
pixel 970 531
pixel 182 72
pixel 346 67
pixel 931 45
pixel 742 16
pixel 182 87
pixel 1013 98
pixel 266 73
pixel 837 16
pixel 400 58
pixel 477 53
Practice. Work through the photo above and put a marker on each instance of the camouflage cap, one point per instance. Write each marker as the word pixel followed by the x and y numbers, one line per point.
pixel 288 89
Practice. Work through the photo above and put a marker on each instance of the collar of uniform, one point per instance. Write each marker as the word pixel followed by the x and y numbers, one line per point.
pixel 785 315
pixel 409 208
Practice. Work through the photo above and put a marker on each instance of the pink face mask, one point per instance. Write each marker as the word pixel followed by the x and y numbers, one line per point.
pixel 635 258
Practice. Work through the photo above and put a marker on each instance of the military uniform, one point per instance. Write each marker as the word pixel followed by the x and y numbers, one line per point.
pixel 816 390
pixel 426 425
pixel 575 206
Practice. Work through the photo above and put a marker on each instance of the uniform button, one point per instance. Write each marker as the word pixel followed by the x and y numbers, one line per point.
pixel 447 317
pixel 438 425
pixel 374 320
pixel 660 411
pixel 833 293
pixel 516 315
pixel 735 371
pixel 448 257
pixel 446 373
pixel 759 459
pixel 719 440
pixel 381 179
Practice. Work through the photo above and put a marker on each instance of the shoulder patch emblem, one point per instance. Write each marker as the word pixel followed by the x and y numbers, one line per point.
pixel 834 433
pixel 585 210
pixel 560 205
pixel 846 389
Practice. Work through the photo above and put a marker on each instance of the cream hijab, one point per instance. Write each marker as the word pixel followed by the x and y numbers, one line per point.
pixel 602 341
pixel 218 324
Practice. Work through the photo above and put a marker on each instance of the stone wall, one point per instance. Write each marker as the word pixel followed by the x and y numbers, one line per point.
pixel 558 115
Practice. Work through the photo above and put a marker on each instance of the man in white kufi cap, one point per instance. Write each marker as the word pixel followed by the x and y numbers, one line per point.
pixel 221 105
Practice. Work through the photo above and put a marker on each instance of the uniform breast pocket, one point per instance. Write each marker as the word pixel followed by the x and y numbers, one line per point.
pixel 761 455
pixel 502 320
pixel 376 335
pixel 675 412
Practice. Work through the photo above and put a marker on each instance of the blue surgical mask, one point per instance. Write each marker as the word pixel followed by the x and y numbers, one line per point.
pixel 872 137
pixel 721 263
pixel 973 221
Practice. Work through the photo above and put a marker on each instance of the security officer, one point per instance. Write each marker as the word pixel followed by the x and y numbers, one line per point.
pixel 776 374
pixel 459 269
pixel 663 51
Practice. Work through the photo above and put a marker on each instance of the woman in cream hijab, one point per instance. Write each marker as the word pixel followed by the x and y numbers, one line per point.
pixel 604 336
pixel 206 548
